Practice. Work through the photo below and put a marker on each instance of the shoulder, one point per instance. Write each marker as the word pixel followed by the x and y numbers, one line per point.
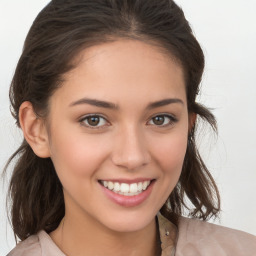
pixel 202 238
pixel 40 244
pixel 29 247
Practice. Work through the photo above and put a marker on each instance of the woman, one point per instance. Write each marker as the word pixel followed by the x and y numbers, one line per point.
pixel 105 94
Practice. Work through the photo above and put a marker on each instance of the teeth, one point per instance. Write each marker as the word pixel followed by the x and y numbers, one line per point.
pixel 133 188
pixel 126 189
pixel 145 185
pixel 116 187
pixel 140 186
pixel 110 185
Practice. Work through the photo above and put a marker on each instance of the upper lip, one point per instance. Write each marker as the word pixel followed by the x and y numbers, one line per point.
pixel 128 181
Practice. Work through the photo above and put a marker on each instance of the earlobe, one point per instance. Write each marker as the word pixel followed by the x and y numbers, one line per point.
pixel 34 130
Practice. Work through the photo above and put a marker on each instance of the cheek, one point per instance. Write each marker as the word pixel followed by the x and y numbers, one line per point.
pixel 77 155
pixel 170 152
pixel 168 155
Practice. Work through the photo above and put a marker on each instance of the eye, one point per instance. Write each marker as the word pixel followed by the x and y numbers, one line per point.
pixel 93 121
pixel 162 120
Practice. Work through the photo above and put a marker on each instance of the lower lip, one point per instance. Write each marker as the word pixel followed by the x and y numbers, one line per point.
pixel 128 201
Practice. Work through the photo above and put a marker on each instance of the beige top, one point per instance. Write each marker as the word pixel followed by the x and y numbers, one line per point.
pixel 195 238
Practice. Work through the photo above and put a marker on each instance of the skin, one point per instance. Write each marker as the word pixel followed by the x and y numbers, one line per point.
pixel 127 144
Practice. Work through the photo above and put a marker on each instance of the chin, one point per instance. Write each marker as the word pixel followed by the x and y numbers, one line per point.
pixel 130 222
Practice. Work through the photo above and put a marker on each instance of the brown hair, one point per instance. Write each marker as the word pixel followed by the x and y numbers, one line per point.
pixel 60 31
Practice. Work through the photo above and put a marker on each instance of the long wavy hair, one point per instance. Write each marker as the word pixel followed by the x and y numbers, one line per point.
pixel 59 33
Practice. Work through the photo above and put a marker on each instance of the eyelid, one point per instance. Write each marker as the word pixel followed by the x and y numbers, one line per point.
pixel 173 119
pixel 82 119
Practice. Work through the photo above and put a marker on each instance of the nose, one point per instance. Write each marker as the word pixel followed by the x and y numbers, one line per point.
pixel 131 150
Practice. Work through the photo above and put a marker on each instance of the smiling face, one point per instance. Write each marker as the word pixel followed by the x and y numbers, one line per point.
pixel 118 131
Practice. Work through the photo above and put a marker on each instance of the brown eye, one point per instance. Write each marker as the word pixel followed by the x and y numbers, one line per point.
pixel 158 120
pixel 162 120
pixel 93 121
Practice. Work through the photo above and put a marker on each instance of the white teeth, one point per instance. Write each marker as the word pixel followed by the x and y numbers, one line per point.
pixel 133 188
pixel 140 186
pixel 126 189
pixel 110 185
pixel 145 185
pixel 116 187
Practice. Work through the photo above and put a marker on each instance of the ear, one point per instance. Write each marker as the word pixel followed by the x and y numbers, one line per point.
pixel 34 130
pixel 191 121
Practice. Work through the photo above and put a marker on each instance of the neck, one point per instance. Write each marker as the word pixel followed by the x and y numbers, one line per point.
pixel 75 236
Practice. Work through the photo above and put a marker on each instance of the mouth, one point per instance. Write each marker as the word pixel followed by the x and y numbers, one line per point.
pixel 126 189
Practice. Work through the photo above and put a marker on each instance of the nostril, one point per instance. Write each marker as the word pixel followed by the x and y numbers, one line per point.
pixel 131 161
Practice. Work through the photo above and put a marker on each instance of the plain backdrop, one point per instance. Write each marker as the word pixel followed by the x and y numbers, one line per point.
pixel 227 33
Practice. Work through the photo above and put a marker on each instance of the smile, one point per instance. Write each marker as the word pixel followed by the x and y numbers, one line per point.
pixel 125 188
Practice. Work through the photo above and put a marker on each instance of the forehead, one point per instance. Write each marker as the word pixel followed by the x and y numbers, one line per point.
pixel 123 69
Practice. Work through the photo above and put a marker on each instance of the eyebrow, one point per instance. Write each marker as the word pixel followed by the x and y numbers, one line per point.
pixel 110 105
pixel 164 102
pixel 94 102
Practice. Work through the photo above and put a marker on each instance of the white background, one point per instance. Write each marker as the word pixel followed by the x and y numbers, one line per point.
pixel 227 32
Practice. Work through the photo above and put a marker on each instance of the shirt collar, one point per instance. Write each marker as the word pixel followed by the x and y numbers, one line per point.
pixel 168 235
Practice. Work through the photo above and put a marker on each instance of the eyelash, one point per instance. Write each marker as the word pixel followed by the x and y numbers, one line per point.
pixel 84 121
pixel 171 121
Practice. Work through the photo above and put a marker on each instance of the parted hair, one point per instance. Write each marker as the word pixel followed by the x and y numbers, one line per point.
pixel 58 34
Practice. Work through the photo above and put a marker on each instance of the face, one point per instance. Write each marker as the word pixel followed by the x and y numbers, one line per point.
pixel 118 131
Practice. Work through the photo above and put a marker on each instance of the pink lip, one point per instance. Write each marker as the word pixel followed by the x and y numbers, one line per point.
pixel 128 201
